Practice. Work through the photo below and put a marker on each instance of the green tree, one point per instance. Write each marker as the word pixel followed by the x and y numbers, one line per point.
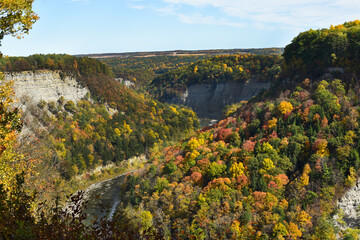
pixel 161 184
pixel 216 169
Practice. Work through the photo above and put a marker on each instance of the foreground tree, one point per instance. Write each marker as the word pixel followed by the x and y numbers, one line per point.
pixel 11 163
pixel 16 17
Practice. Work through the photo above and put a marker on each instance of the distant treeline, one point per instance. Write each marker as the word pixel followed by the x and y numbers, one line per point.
pixel 263 51
pixel 231 68
pixel 141 70
pixel 63 62
pixel 143 67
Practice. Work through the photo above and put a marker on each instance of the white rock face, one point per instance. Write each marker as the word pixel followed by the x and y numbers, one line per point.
pixel 350 204
pixel 45 85
pixel 209 100
pixel 127 83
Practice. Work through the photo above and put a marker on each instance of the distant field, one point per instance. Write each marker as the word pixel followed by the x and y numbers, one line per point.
pixel 266 51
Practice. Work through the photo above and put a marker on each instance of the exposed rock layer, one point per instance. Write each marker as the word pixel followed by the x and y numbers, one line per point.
pixel 209 100
pixel 350 206
pixel 46 85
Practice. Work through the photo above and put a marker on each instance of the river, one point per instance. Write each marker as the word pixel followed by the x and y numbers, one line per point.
pixel 204 122
pixel 103 198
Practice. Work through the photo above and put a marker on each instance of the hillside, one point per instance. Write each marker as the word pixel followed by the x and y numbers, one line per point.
pixel 219 69
pixel 142 70
pixel 109 146
pixel 84 117
pixel 207 86
pixel 316 52
pixel 47 85
pixel 273 170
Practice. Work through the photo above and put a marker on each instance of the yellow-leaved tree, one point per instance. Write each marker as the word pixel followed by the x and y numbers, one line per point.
pixel 285 107
pixel 16 17
pixel 10 162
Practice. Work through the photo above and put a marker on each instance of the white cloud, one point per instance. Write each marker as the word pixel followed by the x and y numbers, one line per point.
pixel 265 14
pixel 195 17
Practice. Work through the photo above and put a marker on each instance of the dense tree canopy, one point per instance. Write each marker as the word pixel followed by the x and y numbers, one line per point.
pixel 273 170
pixel 315 52
pixel 233 68
pixel 86 134
pixel 142 68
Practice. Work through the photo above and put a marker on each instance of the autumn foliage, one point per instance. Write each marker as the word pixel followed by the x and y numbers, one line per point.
pixel 273 169
pixel 235 181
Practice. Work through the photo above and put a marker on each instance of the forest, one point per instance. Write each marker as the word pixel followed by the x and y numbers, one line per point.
pixel 142 68
pixel 110 124
pixel 315 52
pixel 233 68
pixel 272 169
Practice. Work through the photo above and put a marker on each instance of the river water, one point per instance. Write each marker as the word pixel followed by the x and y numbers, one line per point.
pixel 103 198
pixel 204 122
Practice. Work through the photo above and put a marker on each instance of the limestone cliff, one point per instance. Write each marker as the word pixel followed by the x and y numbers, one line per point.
pixel 349 204
pixel 209 100
pixel 33 86
pixel 45 85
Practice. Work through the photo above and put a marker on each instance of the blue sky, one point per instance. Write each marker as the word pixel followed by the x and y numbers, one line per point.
pixel 104 26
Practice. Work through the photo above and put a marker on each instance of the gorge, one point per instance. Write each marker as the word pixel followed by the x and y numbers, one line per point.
pixel 209 100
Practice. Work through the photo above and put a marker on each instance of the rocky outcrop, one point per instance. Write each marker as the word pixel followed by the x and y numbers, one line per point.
pixel 33 86
pixel 126 83
pixel 349 205
pixel 46 85
pixel 209 100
